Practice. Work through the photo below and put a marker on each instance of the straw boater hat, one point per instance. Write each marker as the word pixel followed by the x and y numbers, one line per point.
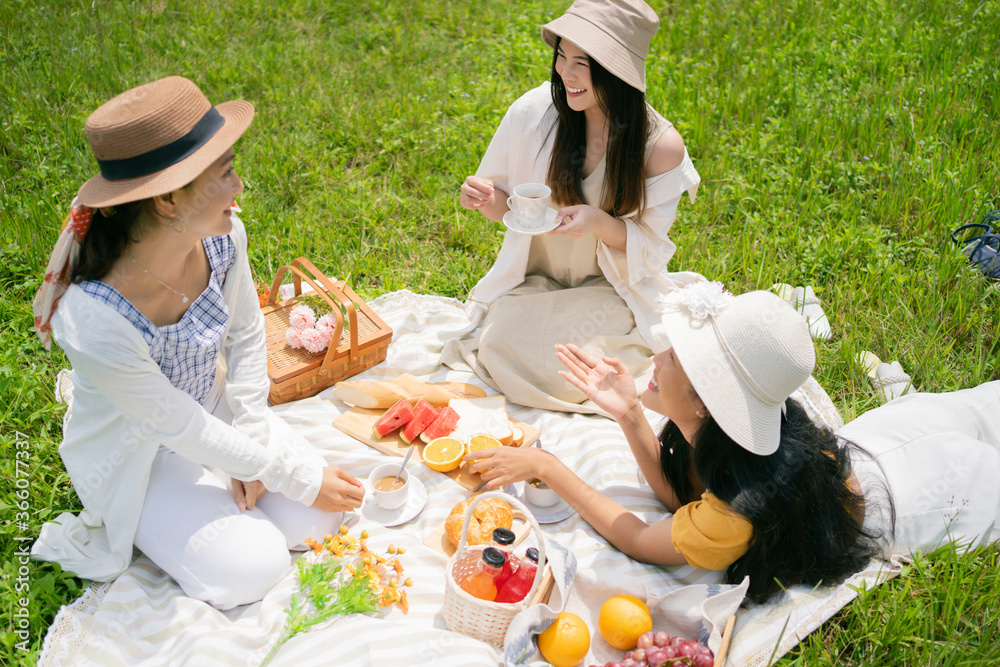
pixel 744 356
pixel 157 138
pixel 615 33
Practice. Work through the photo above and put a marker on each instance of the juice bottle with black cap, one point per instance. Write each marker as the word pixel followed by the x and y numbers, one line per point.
pixel 482 582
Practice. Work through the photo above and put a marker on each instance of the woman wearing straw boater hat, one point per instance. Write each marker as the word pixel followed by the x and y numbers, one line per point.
pixel 617 171
pixel 756 489
pixel 170 444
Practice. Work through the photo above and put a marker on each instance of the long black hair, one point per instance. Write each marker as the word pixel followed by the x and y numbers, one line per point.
pixel 629 128
pixel 807 521
pixel 108 237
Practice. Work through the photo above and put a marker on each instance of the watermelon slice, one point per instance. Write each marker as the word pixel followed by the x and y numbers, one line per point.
pixel 394 417
pixel 445 423
pixel 424 415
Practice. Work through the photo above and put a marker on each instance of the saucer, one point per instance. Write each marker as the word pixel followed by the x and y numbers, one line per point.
pixel 415 500
pixel 513 221
pixel 552 514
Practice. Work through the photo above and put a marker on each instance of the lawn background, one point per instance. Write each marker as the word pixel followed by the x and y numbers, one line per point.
pixel 838 142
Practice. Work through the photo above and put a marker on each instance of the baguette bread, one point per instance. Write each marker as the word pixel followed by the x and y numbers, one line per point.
pixel 383 394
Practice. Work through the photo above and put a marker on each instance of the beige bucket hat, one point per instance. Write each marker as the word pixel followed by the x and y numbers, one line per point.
pixel 615 33
pixel 744 356
pixel 157 138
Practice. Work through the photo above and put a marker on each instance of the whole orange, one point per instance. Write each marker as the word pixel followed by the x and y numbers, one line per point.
pixel 623 619
pixel 565 643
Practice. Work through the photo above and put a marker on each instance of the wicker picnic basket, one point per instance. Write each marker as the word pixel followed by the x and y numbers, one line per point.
pixel 482 619
pixel 361 343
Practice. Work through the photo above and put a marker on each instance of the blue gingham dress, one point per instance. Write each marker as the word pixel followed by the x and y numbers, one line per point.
pixel 185 351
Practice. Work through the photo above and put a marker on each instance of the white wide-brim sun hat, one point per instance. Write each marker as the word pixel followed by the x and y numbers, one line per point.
pixel 744 356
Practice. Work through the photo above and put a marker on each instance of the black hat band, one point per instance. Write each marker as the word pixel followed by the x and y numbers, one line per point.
pixel 164 156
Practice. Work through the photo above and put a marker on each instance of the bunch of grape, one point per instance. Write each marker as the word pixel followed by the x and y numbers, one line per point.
pixel 658 649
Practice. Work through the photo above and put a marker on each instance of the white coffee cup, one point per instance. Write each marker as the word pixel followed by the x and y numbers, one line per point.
pixel 529 201
pixel 389 500
pixel 540 495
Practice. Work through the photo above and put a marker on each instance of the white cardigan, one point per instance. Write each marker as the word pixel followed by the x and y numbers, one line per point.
pixel 519 153
pixel 124 408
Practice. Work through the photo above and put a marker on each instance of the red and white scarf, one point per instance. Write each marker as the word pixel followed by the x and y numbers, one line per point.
pixel 60 267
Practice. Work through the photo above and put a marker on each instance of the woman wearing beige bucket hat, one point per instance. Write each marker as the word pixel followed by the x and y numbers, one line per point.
pixel 617 171
pixel 756 488
pixel 170 444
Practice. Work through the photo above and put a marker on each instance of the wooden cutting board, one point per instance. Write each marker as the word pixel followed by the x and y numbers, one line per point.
pixel 358 423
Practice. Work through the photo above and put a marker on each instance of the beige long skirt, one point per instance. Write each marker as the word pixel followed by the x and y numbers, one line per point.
pixel 514 350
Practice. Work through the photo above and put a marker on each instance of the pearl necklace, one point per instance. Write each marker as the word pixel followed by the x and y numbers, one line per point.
pixel 182 295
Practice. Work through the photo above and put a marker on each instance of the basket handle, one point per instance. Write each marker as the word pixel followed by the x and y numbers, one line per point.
pixel 327 289
pixel 463 541
pixel 349 307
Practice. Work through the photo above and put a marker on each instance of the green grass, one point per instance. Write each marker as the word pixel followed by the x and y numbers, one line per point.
pixel 838 142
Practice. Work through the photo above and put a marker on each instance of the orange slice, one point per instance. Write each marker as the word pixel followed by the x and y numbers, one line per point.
pixel 482 441
pixel 443 454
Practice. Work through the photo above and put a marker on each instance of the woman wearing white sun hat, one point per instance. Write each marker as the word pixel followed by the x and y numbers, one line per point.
pixel 754 486
pixel 618 171
pixel 148 291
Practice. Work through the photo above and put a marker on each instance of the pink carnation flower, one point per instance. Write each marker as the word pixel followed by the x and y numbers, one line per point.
pixel 327 323
pixel 324 337
pixel 302 317
pixel 313 340
pixel 293 339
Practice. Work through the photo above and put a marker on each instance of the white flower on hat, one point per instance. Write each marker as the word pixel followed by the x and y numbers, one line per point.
pixel 701 299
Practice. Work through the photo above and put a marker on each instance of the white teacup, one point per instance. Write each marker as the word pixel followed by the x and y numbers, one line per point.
pixel 529 201
pixel 540 495
pixel 381 476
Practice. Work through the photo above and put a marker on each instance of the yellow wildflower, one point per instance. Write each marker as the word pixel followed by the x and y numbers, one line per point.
pixel 372 571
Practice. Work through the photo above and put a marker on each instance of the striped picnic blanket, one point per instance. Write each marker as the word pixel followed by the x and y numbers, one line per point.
pixel 143 616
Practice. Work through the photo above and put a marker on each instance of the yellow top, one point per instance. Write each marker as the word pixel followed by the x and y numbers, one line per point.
pixel 709 534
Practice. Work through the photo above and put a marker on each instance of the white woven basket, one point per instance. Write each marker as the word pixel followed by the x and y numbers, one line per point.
pixel 482 619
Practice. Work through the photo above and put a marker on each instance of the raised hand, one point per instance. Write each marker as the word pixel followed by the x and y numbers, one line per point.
pixel 607 381
pixel 340 491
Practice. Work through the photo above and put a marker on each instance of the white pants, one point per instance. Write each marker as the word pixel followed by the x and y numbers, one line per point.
pixel 192 529
pixel 940 454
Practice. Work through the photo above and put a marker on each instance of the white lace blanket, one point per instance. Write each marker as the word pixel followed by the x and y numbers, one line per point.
pixel 143 617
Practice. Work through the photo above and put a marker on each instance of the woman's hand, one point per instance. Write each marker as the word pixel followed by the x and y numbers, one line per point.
pixel 476 193
pixel 607 382
pixel 578 220
pixel 340 491
pixel 506 465
pixel 246 494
